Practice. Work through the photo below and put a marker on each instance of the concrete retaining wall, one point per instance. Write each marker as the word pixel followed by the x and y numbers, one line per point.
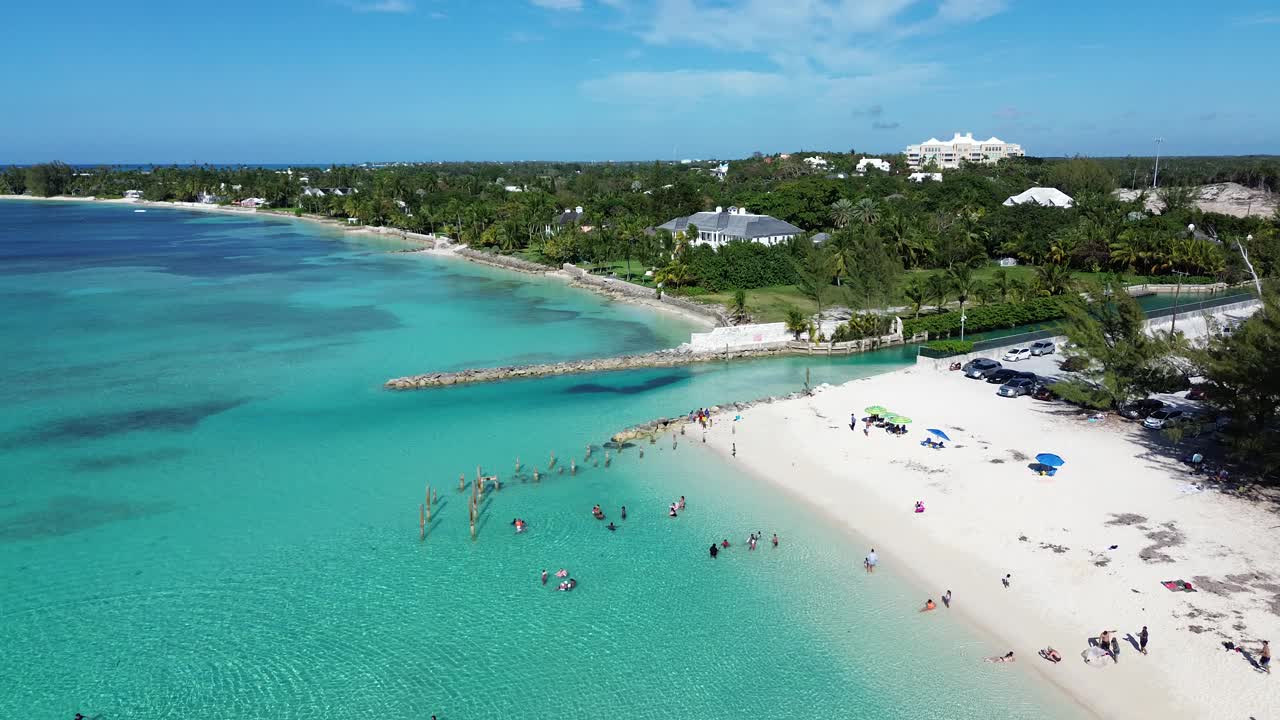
pixel 622 287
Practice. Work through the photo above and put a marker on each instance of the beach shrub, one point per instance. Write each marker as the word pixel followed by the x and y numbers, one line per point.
pixel 993 317
pixel 741 265
pixel 951 347
pixel 862 325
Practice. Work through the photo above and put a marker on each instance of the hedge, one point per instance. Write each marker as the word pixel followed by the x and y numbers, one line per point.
pixel 951 347
pixel 992 317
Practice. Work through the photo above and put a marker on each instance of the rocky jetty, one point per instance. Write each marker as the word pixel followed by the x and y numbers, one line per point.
pixel 662 358
pixel 662 425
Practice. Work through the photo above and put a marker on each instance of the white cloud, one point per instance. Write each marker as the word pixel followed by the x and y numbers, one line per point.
pixel 558 4
pixel 382 6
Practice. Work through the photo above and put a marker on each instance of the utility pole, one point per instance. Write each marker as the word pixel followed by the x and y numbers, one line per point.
pixel 1176 290
pixel 1155 177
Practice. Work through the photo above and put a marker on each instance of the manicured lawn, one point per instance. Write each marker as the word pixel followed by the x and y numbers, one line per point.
pixel 767 304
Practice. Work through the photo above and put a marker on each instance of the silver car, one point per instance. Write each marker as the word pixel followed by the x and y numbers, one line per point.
pixel 1015 387
pixel 1043 347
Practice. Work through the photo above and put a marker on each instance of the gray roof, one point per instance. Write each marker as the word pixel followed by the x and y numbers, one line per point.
pixel 568 217
pixel 734 225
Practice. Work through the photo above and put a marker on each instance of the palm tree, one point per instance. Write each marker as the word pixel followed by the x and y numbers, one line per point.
pixel 1053 279
pixel 844 254
pixel 937 288
pixel 1002 284
pixel 738 308
pixel 796 321
pixel 964 285
pixel 916 294
pixel 841 213
pixel 986 293
pixel 867 211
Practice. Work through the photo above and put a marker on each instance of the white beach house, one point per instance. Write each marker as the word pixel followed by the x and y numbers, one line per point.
pixel 816 162
pixel 723 226
pixel 132 194
pixel 873 163
pixel 922 176
pixel 949 154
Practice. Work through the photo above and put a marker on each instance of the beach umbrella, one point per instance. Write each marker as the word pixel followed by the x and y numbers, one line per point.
pixel 940 434
pixel 875 410
pixel 1050 459
pixel 898 420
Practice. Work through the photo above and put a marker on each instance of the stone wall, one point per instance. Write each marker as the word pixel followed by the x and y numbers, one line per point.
pixel 503 261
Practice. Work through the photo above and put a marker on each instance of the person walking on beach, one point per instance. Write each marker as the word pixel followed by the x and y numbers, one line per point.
pixel 735 450
pixel 1264 661
pixel 1142 640
pixel 870 562
pixel 1006 579
pixel 946 599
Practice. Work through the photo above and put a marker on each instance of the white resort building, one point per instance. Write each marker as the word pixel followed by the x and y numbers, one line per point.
pixel 816 162
pixel 723 226
pixel 949 154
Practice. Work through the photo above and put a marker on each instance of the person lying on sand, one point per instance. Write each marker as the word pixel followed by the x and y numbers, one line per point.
pixel 1006 658
pixel 1051 655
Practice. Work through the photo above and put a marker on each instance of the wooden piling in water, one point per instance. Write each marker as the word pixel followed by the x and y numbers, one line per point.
pixel 588 455
pixel 422 523
pixel 553 461
pixel 462 482
pixel 429 499
pixel 536 477
pixel 573 466
pixel 517 464
pixel 607 459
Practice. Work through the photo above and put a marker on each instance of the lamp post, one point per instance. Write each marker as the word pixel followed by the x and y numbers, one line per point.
pixel 962 319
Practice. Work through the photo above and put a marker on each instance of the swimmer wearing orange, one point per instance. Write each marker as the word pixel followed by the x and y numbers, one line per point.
pixel 929 606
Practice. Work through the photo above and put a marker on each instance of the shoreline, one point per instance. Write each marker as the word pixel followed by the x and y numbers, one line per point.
pixel 430 245
pixel 1051 534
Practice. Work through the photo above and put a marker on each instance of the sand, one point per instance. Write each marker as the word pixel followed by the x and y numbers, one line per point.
pixel 987 514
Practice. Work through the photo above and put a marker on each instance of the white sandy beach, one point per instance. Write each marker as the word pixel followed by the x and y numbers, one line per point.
pixel 988 514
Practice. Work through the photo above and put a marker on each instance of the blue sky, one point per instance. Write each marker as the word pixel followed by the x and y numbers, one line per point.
pixel 354 80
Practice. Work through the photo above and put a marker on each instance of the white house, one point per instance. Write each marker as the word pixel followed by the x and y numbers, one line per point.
pixel 817 163
pixel 513 188
pixel 719 171
pixel 723 226
pixel 253 202
pixel 949 154
pixel 132 194
pixel 1008 262
pixel 207 198
pixel 922 176
pixel 1048 197
pixel 876 163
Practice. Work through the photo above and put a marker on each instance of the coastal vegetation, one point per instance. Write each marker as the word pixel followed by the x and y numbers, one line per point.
pixel 889 242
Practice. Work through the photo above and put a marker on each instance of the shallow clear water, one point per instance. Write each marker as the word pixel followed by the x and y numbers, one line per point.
pixel 209 505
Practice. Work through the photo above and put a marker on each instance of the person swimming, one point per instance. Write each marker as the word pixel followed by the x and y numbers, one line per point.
pixel 929 605
pixel 1006 658
pixel 775 539
pixel 681 502
pixel 544 576
pixel 612 526
pixel 597 513
pixel 672 511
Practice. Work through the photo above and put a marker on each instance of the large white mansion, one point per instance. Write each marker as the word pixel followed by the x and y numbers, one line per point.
pixel 948 154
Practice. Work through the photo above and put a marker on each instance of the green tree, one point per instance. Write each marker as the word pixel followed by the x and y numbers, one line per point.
pixel 814 273
pixel 796 322
pixel 938 289
pixel 1244 382
pixel 842 213
pixel 1108 334
pixel 867 211
pixel 916 295
pixel 1002 284
pixel 738 308
pixel 1053 279
pixel 963 284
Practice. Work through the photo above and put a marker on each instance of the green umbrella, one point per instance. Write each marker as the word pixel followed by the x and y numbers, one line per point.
pixel 898 420
pixel 875 410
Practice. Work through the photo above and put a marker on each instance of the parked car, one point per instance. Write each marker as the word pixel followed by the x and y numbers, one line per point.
pixel 1198 392
pixel 980 367
pixel 1141 409
pixel 1165 418
pixel 1015 387
pixel 1017 354
pixel 1001 376
pixel 1043 347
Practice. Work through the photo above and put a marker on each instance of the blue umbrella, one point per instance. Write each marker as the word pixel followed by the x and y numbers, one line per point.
pixel 940 434
pixel 1050 459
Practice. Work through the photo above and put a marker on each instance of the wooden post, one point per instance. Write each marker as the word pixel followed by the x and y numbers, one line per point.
pixel 573 466
pixel 641 453
pixel 535 475
pixel 588 455
pixel 429 496
pixel 462 482
pixel 607 459
pixel 517 463
pixel 422 523
pixel 553 461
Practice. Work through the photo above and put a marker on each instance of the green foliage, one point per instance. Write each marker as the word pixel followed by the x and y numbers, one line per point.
pixel 1079 176
pixel 738 308
pixel 951 347
pixel 742 265
pixel 1123 361
pixel 1243 373
pixel 48 179
pixel 992 317
pixel 796 322
pixel 814 272
pixel 863 325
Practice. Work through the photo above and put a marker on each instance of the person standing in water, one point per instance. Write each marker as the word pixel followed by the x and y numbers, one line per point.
pixel 544 576
pixel 714 551
pixel 775 539
pixel 624 512
pixel 870 562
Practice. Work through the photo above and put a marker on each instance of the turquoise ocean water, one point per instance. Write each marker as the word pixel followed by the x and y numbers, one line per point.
pixel 209 505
